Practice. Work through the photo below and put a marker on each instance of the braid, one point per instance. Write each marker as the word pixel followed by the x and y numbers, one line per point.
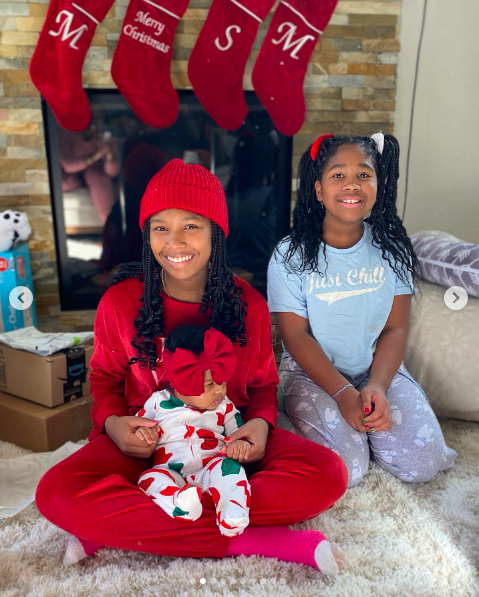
pixel 306 236
pixel 149 324
pixel 308 217
pixel 388 231
pixel 221 294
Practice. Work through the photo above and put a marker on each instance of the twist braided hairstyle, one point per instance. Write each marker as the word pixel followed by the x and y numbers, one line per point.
pixel 221 294
pixel 389 234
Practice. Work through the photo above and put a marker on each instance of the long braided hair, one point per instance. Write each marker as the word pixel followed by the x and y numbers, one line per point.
pixel 306 236
pixel 221 294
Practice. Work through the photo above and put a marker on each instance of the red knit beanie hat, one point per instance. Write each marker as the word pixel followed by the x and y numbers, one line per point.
pixel 185 186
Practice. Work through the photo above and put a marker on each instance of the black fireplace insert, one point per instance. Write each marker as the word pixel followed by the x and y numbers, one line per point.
pixel 98 177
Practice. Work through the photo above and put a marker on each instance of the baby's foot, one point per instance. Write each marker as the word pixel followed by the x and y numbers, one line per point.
pixel 188 503
pixel 233 519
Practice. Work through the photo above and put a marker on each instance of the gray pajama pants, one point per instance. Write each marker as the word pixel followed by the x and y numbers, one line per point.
pixel 413 449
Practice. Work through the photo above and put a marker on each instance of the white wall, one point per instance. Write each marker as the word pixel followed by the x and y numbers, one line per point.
pixel 443 188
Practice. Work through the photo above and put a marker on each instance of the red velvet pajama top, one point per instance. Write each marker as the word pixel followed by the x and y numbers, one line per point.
pixel 119 388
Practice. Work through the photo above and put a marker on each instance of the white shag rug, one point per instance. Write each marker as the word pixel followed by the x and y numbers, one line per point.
pixel 391 539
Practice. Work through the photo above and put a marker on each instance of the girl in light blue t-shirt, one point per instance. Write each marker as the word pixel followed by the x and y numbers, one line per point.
pixel 340 285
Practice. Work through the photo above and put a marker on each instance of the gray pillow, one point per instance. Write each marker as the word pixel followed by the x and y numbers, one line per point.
pixel 447 261
pixel 441 353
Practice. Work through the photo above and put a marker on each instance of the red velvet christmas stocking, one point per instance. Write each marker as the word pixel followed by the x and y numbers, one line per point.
pixel 141 64
pixel 280 68
pixel 55 67
pixel 218 60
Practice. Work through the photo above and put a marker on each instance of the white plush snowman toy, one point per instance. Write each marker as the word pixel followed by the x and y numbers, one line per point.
pixel 14 227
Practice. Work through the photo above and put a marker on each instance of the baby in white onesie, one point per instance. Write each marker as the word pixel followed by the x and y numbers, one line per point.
pixel 194 417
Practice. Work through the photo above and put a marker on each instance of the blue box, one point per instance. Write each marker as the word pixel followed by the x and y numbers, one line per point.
pixel 15 271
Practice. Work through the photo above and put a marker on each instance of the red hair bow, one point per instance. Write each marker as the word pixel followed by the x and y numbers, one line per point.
pixel 185 370
pixel 317 144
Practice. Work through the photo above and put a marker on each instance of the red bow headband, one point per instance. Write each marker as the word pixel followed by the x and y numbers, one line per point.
pixel 317 144
pixel 184 369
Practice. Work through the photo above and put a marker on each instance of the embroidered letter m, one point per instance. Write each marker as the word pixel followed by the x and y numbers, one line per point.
pixel 65 29
pixel 288 38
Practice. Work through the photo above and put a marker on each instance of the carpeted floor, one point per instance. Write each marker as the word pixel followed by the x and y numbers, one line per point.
pixel 392 540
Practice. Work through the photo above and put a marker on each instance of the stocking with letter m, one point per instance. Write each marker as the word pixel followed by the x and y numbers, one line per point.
pixel 56 64
pixel 280 68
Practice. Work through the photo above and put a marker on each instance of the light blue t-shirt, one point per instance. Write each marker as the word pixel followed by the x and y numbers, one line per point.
pixel 348 308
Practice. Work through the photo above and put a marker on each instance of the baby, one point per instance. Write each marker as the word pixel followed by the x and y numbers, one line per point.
pixel 194 416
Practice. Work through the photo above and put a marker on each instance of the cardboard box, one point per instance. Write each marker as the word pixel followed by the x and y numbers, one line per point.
pixel 50 381
pixel 15 271
pixel 43 429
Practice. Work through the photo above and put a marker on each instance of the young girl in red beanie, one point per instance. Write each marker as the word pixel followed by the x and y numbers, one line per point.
pixel 184 278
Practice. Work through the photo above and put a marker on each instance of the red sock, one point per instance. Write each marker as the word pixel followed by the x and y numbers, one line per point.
pixel 56 64
pixel 280 68
pixel 218 60
pixel 141 64
pixel 302 547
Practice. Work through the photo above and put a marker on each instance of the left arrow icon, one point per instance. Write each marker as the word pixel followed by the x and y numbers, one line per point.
pixel 21 298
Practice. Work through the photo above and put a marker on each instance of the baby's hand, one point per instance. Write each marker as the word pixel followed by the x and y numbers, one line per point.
pixel 148 434
pixel 238 449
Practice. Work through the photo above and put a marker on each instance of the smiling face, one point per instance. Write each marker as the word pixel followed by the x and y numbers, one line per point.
pixel 181 242
pixel 348 185
pixel 213 394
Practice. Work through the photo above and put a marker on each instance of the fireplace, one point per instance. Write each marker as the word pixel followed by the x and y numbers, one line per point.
pixel 98 177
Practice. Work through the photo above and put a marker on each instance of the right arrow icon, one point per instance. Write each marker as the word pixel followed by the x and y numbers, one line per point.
pixel 456 298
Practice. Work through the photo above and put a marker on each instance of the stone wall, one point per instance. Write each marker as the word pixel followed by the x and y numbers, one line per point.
pixel 350 88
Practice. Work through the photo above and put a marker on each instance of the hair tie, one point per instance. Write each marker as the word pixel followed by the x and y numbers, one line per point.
pixel 378 138
pixel 317 144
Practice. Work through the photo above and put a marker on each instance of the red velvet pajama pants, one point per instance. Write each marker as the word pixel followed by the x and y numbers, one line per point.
pixel 93 494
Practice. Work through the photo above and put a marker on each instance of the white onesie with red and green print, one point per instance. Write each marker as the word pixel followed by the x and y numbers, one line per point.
pixel 187 463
